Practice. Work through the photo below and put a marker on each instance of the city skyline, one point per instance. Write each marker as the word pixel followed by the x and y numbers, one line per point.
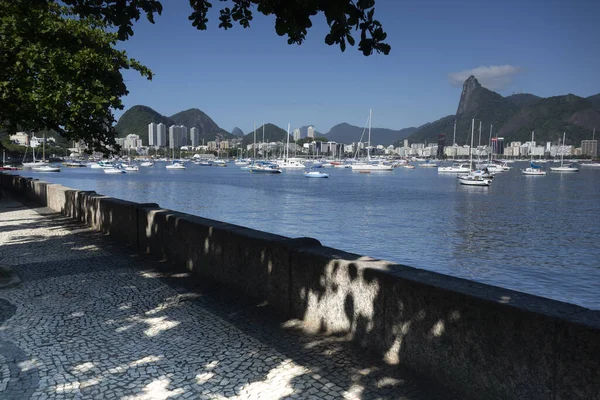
pixel 242 76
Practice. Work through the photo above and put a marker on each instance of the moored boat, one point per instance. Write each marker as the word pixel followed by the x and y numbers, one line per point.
pixel 46 168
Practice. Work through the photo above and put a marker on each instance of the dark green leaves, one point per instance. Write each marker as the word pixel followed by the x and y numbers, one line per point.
pixel 60 73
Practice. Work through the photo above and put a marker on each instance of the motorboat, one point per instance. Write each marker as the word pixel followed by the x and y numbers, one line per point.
pixel 103 165
pixel 265 168
pixel 371 167
pixel 132 168
pixel 408 166
pixel 146 164
pixel 114 170
pixel 175 166
pixel 315 174
pixel 46 168
pixel 291 163
pixel 428 164
pixel 456 168
pixel 74 164
pixel 593 164
pixel 534 170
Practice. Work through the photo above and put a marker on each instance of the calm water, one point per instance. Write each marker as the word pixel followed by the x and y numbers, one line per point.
pixel 533 234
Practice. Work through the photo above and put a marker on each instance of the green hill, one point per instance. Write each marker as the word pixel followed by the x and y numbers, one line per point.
pixel 595 100
pixel 346 133
pixel 523 99
pixel 207 128
pixel 552 116
pixel 135 121
pixel 272 133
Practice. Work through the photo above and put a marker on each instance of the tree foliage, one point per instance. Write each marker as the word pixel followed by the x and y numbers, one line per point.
pixel 292 18
pixel 59 68
pixel 61 72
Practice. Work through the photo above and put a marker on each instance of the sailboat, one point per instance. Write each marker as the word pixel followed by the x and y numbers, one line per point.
pixel 473 179
pixel 564 168
pixel 45 167
pixel 287 162
pixel 34 163
pixel 533 169
pixel 369 166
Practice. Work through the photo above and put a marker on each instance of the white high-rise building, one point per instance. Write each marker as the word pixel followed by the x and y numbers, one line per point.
pixel 195 137
pixel 132 142
pixel 161 135
pixel 296 134
pixel 311 132
pixel 174 136
pixel 184 135
pixel 152 134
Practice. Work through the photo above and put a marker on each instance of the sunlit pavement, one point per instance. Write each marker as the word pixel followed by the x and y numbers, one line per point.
pixel 92 320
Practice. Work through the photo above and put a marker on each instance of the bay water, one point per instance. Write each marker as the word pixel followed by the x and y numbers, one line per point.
pixel 535 234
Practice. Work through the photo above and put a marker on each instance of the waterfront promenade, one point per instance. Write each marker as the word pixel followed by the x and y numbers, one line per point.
pixel 87 318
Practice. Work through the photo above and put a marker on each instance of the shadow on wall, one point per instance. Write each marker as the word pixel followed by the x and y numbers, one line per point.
pixel 477 339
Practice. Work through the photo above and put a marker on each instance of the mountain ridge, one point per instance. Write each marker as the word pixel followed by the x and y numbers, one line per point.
pixel 515 116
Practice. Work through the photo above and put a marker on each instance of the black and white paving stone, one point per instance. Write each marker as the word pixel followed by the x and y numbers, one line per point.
pixel 91 320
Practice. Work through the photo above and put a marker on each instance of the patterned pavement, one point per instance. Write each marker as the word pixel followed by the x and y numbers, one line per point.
pixel 91 319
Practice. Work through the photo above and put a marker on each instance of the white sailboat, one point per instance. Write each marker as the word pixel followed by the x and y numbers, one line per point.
pixel 564 168
pixel 45 167
pixel 34 163
pixel 533 169
pixel 473 179
pixel 369 166
pixel 287 162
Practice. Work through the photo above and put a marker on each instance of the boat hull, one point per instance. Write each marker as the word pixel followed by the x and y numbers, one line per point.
pixel 474 180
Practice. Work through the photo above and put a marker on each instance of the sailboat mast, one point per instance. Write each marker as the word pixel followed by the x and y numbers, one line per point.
pixel 562 153
pixel 263 140
pixel 490 145
pixel 254 146
pixel 471 149
pixel 287 146
pixel 369 143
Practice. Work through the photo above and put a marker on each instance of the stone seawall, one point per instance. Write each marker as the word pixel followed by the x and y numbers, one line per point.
pixel 484 341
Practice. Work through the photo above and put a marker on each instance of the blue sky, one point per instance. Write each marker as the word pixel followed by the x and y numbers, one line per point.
pixel 241 76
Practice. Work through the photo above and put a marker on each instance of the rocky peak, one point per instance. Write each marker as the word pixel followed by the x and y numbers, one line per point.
pixel 469 87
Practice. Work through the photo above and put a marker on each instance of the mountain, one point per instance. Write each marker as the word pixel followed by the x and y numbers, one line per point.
pixel 514 117
pixel 552 116
pixel 272 133
pixel 346 133
pixel 207 128
pixel 237 132
pixel 135 121
pixel 595 100
pixel 523 99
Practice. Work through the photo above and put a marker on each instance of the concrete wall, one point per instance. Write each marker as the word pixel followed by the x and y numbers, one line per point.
pixel 484 341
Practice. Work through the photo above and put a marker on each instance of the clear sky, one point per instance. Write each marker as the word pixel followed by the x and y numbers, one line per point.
pixel 241 76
